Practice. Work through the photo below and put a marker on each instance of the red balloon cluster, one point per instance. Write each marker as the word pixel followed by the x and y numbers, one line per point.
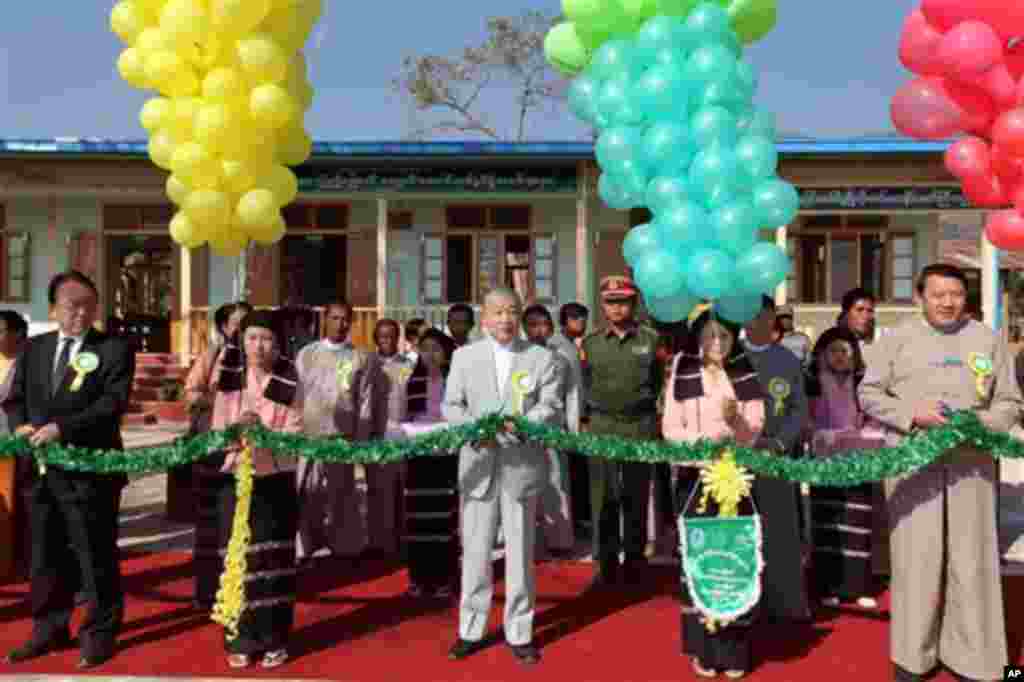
pixel 969 58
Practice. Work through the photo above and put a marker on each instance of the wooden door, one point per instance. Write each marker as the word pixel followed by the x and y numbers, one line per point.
pixel 362 269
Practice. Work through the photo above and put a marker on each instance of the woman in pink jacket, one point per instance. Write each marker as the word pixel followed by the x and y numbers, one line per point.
pixel 713 393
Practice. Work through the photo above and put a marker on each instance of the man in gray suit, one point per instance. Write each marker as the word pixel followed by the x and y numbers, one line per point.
pixel 499 480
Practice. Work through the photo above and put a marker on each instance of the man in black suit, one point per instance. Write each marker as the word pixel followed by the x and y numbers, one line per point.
pixel 72 387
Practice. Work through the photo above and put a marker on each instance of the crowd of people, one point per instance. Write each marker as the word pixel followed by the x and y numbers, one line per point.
pixel 763 384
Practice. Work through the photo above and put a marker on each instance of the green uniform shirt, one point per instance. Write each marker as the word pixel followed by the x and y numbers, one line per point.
pixel 625 375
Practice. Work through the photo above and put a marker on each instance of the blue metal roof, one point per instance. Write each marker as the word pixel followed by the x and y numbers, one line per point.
pixel 580 150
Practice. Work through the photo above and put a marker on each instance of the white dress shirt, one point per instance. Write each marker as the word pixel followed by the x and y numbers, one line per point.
pixel 76 345
pixel 502 362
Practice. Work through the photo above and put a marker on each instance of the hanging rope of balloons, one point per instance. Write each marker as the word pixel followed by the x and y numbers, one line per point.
pixel 227 120
pixel 969 60
pixel 664 84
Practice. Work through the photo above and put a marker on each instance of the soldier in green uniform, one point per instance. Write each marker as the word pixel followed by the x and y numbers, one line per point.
pixel 624 382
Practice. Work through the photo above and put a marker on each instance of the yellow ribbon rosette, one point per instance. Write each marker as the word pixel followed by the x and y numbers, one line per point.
pixel 725 482
pixel 345 374
pixel 779 389
pixel 520 387
pixel 982 368
pixel 83 365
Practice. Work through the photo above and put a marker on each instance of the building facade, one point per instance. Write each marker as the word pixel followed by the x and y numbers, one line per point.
pixel 404 230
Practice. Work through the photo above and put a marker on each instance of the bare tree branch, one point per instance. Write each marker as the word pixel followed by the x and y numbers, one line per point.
pixel 448 90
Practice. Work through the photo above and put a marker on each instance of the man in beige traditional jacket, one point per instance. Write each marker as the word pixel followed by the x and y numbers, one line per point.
pixel 338 380
pixel 947 602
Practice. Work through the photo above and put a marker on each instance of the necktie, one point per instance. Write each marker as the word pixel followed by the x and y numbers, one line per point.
pixel 62 364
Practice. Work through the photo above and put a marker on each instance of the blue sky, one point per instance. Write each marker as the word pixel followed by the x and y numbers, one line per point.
pixel 827 70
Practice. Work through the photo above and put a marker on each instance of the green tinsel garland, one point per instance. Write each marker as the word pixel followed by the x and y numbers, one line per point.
pixel 849 468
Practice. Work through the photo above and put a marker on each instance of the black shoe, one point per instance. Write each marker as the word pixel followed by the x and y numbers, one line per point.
pixel 35 649
pixel 900 674
pixel 605 579
pixel 86 662
pixel 526 654
pixel 462 649
pixel 632 571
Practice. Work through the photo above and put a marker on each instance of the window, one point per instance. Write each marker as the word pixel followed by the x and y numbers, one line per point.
pixel 473 217
pixel 125 218
pixel 14 266
pixel 433 269
pixel 486 247
pixel 544 268
pixel 835 253
pixel 316 217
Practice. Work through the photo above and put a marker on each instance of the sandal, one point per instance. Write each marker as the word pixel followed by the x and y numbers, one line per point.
pixel 414 591
pixel 443 592
pixel 272 659
pixel 867 602
pixel 238 661
pixel 831 602
pixel 701 670
pixel 735 674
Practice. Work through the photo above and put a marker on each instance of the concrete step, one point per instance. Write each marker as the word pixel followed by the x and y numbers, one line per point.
pixel 164 411
pixel 156 359
pixel 160 372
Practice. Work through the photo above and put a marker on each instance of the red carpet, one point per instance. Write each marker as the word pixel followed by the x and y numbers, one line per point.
pixel 353 624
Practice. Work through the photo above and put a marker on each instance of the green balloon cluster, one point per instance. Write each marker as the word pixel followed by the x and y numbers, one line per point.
pixel 570 45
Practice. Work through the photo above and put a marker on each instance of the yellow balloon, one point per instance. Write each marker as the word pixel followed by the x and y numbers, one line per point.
pixel 238 16
pixel 272 107
pixel 127 21
pixel 281 182
pixel 151 7
pixel 294 145
pixel 152 40
pixel 177 190
pixel 194 165
pixel 184 231
pixel 163 66
pixel 262 59
pixel 271 233
pixel 131 64
pixel 161 149
pixel 155 113
pixel 256 208
pixel 214 122
pixel 238 176
pixel 208 207
pixel 224 85
pixel 185 22
pixel 305 96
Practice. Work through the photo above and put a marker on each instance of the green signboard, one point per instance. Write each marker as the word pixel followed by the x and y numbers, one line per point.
pixel 452 180
pixel 883 199
pixel 722 564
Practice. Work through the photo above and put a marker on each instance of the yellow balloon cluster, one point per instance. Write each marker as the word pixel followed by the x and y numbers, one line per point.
pixel 228 118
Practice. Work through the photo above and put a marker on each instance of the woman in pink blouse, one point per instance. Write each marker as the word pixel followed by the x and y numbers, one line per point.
pixel 263 389
pixel 842 519
pixel 713 393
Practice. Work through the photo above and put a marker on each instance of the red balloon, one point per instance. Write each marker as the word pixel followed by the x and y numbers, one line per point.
pixel 1005 16
pixel 1005 229
pixel 970 49
pixel 1000 85
pixel 919 46
pixel 986 191
pixel 969 158
pixel 934 109
pixel 1008 132
pixel 1018 198
pixel 1007 167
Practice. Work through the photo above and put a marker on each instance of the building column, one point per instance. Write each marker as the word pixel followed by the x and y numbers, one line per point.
pixel 991 297
pixel 781 240
pixel 584 240
pixel 382 257
pixel 185 305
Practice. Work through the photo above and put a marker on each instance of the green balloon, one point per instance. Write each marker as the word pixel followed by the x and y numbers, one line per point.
pixel 677 8
pixel 564 49
pixel 583 11
pixel 752 19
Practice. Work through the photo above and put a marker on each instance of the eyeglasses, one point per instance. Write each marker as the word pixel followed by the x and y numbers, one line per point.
pixel 76 306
